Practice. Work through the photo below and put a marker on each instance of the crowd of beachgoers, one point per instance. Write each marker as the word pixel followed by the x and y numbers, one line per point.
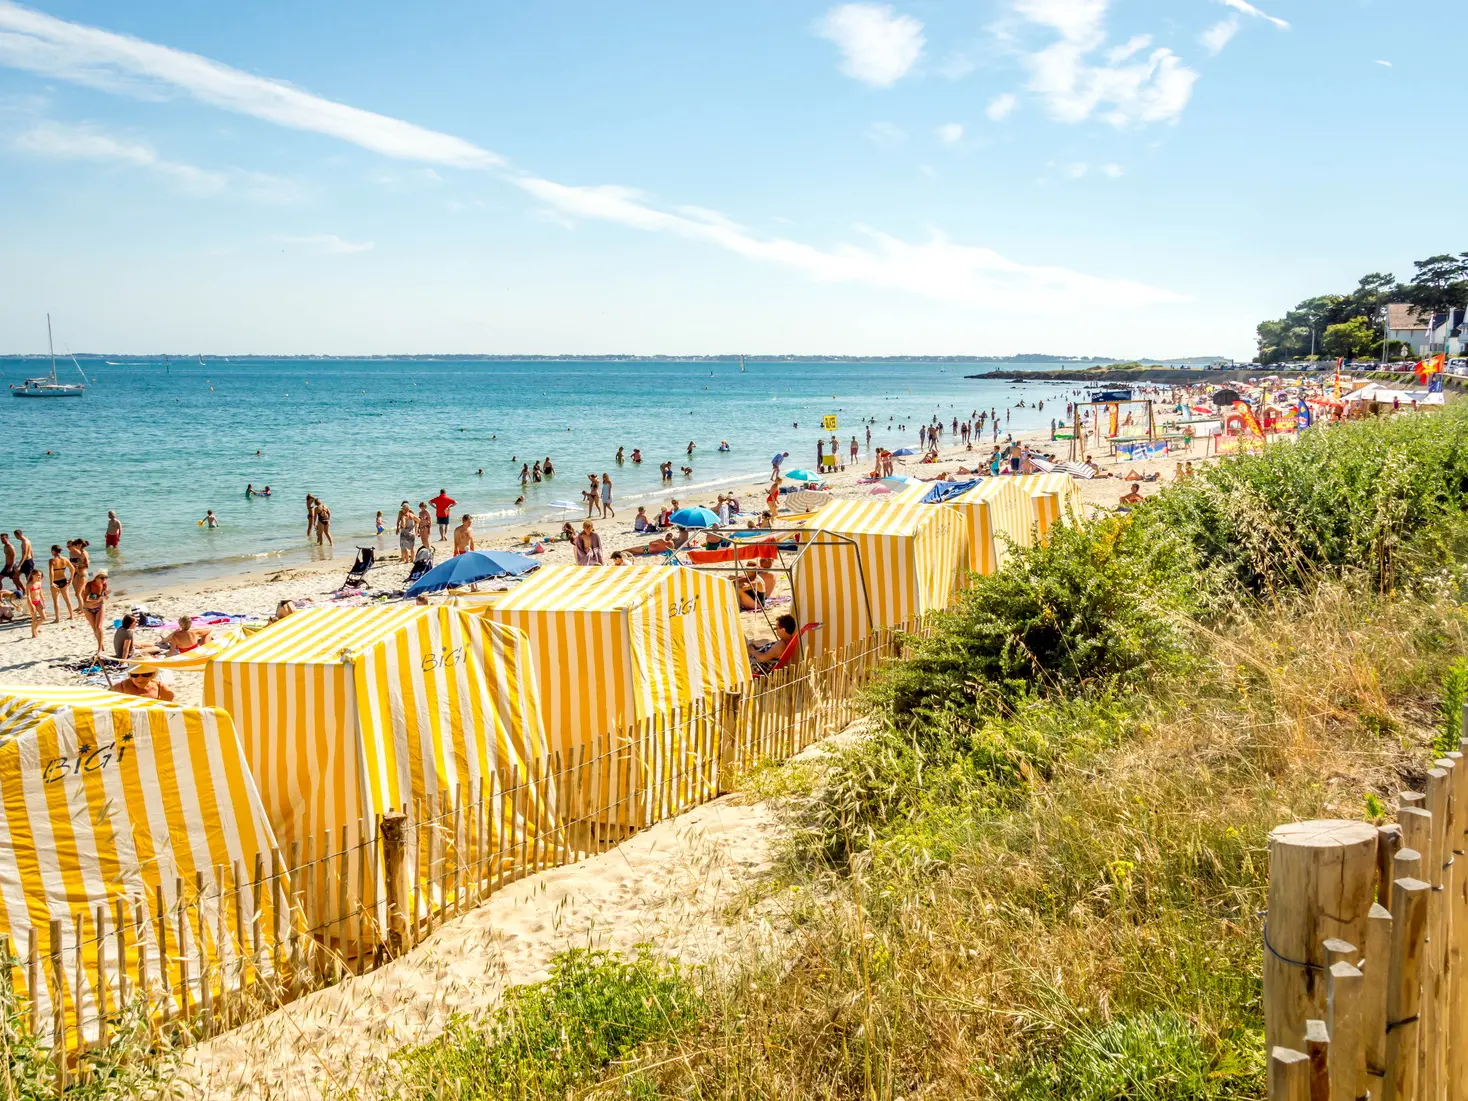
pixel 80 629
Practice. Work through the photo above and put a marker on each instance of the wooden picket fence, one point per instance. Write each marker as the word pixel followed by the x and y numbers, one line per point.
pixel 1366 951
pixel 203 957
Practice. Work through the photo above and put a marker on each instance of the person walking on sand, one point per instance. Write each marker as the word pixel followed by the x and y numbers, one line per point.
pixel 60 570
pixel 36 597
pixel 26 558
pixel 606 496
pixel 425 523
pixel 113 539
pixel 407 529
pixel 442 512
pixel 464 535
pixel 94 604
pixel 587 546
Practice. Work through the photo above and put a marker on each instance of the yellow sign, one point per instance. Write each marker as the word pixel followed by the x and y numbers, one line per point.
pixel 828 422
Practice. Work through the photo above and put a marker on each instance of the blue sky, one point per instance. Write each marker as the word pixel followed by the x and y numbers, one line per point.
pixel 1110 177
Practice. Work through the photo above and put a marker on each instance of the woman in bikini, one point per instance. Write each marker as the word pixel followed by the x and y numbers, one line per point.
pixel 94 604
pixel 36 598
pixel 186 638
pixel 81 562
pixel 60 571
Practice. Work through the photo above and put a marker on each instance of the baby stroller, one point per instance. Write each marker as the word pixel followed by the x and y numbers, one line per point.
pixel 357 575
pixel 422 563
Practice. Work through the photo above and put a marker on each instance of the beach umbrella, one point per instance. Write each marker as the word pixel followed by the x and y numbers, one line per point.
pixel 802 476
pixel 879 489
pixel 896 482
pixel 901 451
pixel 472 566
pixel 808 500
pixel 694 518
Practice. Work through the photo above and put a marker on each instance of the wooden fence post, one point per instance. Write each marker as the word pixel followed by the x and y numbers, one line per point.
pixel 1317 1049
pixel 395 880
pixel 1457 1069
pixel 1321 882
pixel 1289 1075
pixel 1434 993
pixel 1404 989
pixel 1377 969
pixel 58 1005
pixel 1343 998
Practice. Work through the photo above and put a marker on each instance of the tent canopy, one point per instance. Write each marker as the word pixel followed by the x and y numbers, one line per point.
pixel 346 713
pixel 616 645
pixel 902 560
pixel 105 796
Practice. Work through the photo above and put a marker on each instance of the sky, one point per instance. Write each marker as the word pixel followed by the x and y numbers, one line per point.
pixel 1079 177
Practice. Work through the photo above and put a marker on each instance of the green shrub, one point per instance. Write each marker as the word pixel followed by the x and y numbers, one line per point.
pixel 1355 497
pixel 1450 718
pixel 546 1039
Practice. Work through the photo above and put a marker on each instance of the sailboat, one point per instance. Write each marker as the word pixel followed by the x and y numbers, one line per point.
pixel 47 386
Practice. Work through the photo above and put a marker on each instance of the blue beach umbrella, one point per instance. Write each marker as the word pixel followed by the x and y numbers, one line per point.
pixel 904 451
pixel 802 476
pixel 472 566
pixel 694 518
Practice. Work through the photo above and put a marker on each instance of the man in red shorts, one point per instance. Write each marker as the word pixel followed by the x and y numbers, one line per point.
pixel 114 531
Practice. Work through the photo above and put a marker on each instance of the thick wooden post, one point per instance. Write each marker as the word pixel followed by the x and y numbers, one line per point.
pixel 1434 979
pixel 1404 989
pixel 1322 878
pixel 1457 1069
pixel 393 827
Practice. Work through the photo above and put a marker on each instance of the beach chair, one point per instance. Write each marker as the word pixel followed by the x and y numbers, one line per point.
pixel 1076 470
pixel 357 575
pixel 787 655
pixel 422 563
pixel 1044 466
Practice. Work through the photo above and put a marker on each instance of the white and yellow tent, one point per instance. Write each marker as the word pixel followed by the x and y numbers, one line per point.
pixel 893 562
pixel 617 645
pixel 978 514
pixel 347 713
pixel 1026 507
pixel 107 798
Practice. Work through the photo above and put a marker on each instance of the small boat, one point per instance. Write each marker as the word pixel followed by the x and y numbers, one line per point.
pixel 47 386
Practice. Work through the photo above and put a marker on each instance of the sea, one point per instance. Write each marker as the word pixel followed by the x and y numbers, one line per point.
pixel 163 442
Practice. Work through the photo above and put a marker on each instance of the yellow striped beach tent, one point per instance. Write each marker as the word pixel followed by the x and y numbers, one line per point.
pixel 1055 497
pixel 1026 507
pixel 618 645
pixel 886 563
pixel 978 515
pixel 347 713
pixel 108 799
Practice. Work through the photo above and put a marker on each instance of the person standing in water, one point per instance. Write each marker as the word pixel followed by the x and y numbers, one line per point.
pixel 606 496
pixel 113 538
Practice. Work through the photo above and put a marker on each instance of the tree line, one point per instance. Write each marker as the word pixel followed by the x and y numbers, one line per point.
pixel 1354 324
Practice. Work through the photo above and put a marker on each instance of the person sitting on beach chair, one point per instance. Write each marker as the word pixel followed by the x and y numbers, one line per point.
pixel 766 654
pixel 642 524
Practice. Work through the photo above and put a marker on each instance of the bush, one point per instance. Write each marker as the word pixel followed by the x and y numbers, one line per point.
pixel 546 1039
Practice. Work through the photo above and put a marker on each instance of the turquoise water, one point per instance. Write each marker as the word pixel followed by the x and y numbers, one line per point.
pixel 161 445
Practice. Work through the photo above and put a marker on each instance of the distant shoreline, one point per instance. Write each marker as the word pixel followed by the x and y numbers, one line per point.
pixel 186 358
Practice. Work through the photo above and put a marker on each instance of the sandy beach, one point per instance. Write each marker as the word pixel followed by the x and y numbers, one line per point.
pixel 55 656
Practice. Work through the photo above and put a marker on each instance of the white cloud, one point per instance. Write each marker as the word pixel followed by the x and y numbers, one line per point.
pixel 886 133
pixel 121 63
pixel 1249 9
pixel 1002 106
pixel 1114 171
pixel 325 244
pixel 877 45
pixel 1125 88
pixel 1077 170
pixel 935 268
pixel 950 133
pixel 1216 37
pixel 62 141
pixel 1388 64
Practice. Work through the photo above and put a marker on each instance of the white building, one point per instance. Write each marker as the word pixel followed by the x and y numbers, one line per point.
pixel 1409 325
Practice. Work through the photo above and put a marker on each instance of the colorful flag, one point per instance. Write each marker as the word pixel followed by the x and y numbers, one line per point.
pixel 1246 415
pixel 1431 366
pixel 1303 417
